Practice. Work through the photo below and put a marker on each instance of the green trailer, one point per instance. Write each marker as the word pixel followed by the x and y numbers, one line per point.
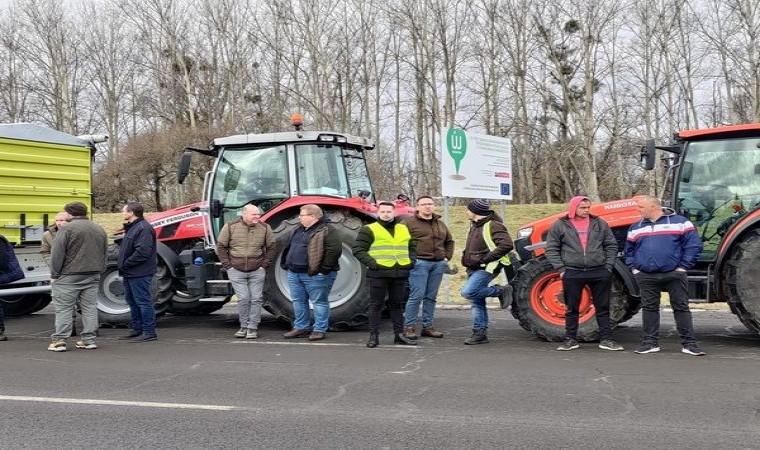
pixel 41 170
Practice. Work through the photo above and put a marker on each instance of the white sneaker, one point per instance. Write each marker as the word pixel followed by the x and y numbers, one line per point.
pixel 241 333
pixel 251 334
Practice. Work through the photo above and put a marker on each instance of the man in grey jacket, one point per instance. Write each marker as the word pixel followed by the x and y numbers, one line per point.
pixel 77 258
pixel 583 249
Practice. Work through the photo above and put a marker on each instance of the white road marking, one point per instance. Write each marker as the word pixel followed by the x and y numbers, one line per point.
pixel 89 401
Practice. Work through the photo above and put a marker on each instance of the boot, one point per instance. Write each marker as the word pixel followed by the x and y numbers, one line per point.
pixel 410 333
pixel 401 339
pixel 373 341
pixel 431 332
pixel 478 337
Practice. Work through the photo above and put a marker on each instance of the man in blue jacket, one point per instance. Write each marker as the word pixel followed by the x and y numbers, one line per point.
pixel 659 249
pixel 137 264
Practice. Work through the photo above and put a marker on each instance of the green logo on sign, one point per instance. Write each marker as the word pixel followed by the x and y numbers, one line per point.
pixel 456 143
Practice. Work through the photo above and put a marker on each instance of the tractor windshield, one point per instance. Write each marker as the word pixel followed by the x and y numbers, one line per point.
pixel 325 169
pixel 719 183
pixel 250 175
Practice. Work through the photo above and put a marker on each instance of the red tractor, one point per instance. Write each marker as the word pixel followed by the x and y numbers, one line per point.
pixel 278 172
pixel 713 178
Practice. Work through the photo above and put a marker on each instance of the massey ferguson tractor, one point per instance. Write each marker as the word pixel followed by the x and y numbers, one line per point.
pixel 713 178
pixel 279 173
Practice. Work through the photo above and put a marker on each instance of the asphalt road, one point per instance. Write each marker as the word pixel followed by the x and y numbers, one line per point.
pixel 198 387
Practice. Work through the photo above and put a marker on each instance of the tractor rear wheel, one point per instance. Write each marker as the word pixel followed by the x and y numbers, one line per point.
pixel 348 298
pixel 539 298
pixel 742 281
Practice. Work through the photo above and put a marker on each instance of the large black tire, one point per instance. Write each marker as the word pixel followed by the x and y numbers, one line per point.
pixel 23 304
pixel 113 309
pixel 348 298
pixel 540 305
pixel 743 282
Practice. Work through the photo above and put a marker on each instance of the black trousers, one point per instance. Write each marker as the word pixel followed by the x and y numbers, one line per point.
pixel 599 281
pixel 397 290
pixel 651 286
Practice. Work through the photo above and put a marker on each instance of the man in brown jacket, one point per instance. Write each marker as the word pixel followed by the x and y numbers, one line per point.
pixel 435 247
pixel 246 247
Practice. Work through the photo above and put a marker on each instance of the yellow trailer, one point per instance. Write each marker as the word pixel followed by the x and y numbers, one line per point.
pixel 41 170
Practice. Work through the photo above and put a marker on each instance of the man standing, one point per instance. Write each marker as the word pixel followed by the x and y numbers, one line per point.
pixel 659 250
pixel 583 249
pixel 245 248
pixel 137 265
pixel 385 247
pixel 77 259
pixel 47 237
pixel 311 260
pixel 485 253
pixel 435 247
pixel 10 271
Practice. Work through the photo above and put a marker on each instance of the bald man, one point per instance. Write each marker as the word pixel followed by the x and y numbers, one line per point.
pixel 246 247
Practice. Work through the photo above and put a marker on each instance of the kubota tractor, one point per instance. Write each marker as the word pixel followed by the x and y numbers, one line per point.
pixel 278 172
pixel 713 178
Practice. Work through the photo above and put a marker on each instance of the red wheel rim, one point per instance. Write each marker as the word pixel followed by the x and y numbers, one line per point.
pixel 546 300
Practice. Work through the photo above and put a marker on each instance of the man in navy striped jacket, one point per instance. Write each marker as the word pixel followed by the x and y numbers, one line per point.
pixel 659 249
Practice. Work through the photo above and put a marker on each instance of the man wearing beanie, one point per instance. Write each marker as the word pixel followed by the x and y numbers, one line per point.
pixel 583 249
pixel 485 253
pixel 77 258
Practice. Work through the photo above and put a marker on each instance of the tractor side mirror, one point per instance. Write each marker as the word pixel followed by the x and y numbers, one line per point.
pixel 648 154
pixel 184 166
pixel 231 179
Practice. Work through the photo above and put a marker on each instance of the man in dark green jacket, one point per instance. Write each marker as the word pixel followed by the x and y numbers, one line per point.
pixel 386 248
pixel 583 249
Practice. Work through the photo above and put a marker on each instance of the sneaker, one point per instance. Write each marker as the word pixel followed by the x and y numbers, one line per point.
pixel 693 350
pixel 569 344
pixel 57 346
pixel 505 296
pixel 144 338
pixel 609 344
pixel 241 333
pixel 3 337
pixel 86 345
pixel 251 334
pixel 646 347
pixel 131 335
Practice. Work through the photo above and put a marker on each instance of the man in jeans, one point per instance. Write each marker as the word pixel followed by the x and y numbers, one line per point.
pixel 137 265
pixel 311 259
pixel 245 248
pixel 583 249
pixel 435 247
pixel 485 254
pixel 77 258
pixel 659 249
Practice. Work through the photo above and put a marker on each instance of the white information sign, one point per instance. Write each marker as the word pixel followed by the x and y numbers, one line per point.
pixel 475 165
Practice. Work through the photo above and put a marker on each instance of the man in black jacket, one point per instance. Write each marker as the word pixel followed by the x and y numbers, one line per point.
pixel 311 259
pixel 583 249
pixel 137 265
pixel 385 247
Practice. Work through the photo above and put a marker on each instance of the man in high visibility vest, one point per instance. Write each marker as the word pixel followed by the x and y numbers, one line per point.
pixel 386 248
pixel 485 253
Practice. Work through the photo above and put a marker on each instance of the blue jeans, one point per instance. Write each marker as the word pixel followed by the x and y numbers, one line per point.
pixel 137 292
pixel 476 289
pixel 316 289
pixel 424 281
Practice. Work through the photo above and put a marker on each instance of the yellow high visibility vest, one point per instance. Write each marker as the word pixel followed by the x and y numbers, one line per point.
pixel 388 250
pixel 504 260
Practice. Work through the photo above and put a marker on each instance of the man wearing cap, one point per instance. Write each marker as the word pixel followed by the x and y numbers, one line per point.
pixel 77 258
pixel 583 249
pixel 485 254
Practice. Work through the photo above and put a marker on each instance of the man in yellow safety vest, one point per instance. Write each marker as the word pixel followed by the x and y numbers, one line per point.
pixel 386 248
pixel 485 253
